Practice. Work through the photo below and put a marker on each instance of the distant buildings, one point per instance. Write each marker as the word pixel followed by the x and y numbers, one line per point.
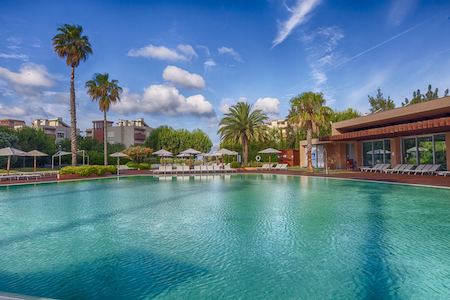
pixel 53 127
pixel 13 124
pixel 127 132
pixel 281 125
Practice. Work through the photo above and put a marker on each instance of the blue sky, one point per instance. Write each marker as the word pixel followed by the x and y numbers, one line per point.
pixel 182 63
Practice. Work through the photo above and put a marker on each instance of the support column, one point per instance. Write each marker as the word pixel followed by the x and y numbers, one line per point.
pixel 358 154
pixel 396 156
pixel 447 150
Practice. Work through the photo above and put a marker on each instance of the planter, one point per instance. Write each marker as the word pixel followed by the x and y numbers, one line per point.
pixel 76 176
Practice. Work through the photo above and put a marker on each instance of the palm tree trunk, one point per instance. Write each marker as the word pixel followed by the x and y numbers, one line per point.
pixel 73 119
pixel 309 147
pixel 105 139
pixel 245 149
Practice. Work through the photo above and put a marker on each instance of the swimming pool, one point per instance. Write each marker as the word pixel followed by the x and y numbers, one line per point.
pixel 239 236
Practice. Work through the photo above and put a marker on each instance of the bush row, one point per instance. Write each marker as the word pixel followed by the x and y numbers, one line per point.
pixel 88 170
pixel 140 166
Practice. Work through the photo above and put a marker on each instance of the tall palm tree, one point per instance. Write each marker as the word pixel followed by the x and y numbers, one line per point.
pixel 69 43
pixel 308 111
pixel 106 93
pixel 242 124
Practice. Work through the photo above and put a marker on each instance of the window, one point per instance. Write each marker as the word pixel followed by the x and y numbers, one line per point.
pixel 440 151
pixel 425 149
pixel 367 154
pixel 60 135
pixel 430 149
pixel 376 152
pixel 387 151
pixel 409 155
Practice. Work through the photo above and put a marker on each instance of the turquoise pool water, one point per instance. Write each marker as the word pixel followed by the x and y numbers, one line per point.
pixel 240 236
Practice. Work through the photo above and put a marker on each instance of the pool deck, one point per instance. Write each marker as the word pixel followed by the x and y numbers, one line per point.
pixel 428 180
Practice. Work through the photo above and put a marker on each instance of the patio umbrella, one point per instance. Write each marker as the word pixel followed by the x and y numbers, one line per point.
pixel 163 153
pixel 189 152
pixel 270 151
pixel 8 152
pixel 35 154
pixel 118 155
pixel 378 151
pixel 414 149
pixel 224 151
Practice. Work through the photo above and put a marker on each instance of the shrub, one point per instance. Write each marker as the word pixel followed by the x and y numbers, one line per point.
pixel 88 170
pixel 235 164
pixel 255 164
pixel 140 166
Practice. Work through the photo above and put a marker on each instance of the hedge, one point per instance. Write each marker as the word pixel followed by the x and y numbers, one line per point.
pixel 88 170
pixel 140 166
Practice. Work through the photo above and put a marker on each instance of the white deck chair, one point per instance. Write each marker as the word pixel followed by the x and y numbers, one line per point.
pixel 209 168
pixel 409 168
pixel 429 169
pixel 418 169
pixel 394 169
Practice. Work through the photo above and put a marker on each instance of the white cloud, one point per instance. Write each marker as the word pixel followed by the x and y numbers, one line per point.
pixel 14 56
pixel 29 76
pixel 11 111
pixel 321 52
pixel 299 14
pixel 225 105
pixel 166 100
pixel 182 77
pixel 268 105
pixel 231 52
pixel 181 53
pixel 188 51
pixel 210 63
pixel 399 9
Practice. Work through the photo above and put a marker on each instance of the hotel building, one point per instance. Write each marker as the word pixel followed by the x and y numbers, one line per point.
pixel 56 128
pixel 413 134
pixel 13 124
pixel 127 132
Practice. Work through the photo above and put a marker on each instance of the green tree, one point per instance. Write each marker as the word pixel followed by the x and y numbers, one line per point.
pixel 69 43
pixel 380 103
pixel 418 97
pixel 8 138
pixel 106 92
pixel 243 124
pixel 337 116
pixel 308 111
pixel 176 141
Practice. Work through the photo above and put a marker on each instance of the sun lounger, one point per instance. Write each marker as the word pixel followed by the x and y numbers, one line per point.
pixel 370 169
pixel 227 168
pixel 429 169
pixel 382 168
pixel 394 169
pixel 443 173
pixel 264 167
pixel 409 168
pixel 417 169
pixel 209 168
pixel 281 167
pixel 197 169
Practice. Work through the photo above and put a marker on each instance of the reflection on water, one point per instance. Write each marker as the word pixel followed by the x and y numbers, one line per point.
pixel 225 236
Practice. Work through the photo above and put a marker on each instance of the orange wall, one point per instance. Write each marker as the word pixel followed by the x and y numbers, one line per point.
pixel 447 144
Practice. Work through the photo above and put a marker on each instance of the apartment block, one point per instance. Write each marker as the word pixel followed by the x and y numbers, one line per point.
pixel 56 128
pixel 11 123
pixel 127 132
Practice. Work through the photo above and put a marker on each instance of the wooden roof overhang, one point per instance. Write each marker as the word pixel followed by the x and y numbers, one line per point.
pixel 412 128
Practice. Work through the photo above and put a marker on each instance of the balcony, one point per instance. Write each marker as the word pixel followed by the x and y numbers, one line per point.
pixel 139 136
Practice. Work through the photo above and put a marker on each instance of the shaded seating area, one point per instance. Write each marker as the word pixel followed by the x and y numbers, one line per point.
pixel 410 169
